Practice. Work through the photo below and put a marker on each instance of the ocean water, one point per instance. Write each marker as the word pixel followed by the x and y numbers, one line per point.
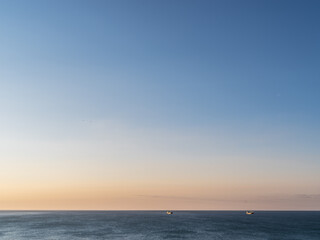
pixel 151 225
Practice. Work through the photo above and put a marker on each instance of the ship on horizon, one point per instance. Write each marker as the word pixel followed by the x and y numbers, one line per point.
pixel 249 212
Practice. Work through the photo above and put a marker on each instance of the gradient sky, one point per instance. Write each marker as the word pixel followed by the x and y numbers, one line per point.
pixel 159 104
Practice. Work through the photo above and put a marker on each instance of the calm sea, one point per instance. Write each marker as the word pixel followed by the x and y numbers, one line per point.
pixel 158 225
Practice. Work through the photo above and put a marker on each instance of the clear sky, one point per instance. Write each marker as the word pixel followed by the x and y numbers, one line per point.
pixel 159 104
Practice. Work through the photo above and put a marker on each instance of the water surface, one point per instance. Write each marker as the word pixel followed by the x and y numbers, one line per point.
pixel 151 225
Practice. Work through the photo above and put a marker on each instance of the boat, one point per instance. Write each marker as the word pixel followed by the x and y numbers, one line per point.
pixel 249 212
pixel 169 212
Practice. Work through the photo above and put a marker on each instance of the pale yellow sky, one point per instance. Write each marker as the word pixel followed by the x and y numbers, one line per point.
pixel 113 167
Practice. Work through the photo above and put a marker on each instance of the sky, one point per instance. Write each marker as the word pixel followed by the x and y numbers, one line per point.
pixel 156 105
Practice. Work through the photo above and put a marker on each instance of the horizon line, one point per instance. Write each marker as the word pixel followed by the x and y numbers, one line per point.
pixel 155 210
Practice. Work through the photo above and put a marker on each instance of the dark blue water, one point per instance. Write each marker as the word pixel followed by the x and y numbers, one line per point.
pixel 158 225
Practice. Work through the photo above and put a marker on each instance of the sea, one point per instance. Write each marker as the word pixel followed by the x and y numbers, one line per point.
pixel 151 225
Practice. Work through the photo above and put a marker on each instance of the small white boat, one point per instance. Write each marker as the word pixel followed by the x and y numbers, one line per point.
pixel 249 212
pixel 169 212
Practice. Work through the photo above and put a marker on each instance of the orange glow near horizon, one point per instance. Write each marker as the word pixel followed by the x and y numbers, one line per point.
pixel 126 170
pixel 152 197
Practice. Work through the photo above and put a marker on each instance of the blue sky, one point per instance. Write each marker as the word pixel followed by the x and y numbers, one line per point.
pixel 180 61
pixel 240 77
